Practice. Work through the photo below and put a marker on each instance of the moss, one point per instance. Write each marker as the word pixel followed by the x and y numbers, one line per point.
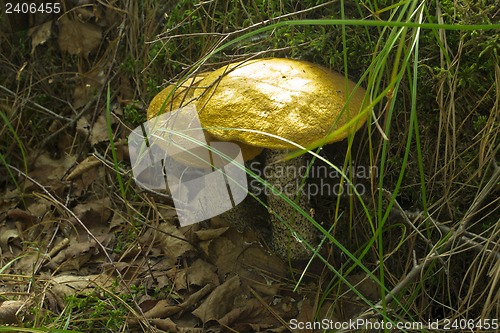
pixel 133 114
pixel 320 44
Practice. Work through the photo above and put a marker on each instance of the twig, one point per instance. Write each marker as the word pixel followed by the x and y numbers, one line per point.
pixel 458 234
pixel 71 122
pixel 467 237
pixel 41 107
pixel 72 214
pixel 406 219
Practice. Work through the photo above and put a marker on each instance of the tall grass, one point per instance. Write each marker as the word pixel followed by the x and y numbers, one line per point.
pixel 394 68
pixel 432 79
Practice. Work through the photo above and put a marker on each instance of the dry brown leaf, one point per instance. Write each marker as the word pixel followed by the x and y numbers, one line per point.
pixel 201 273
pixel 49 172
pixel 178 278
pixel 166 325
pixel 88 85
pixel 20 214
pixel 63 286
pixel 83 167
pixel 39 208
pixel 83 183
pixel 165 309
pixel 82 94
pixel 225 251
pixel 8 200
pixel 83 127
pixel 208 234
pixel 39 34
pixel 118 221
pixel 78 38
pixel 238 253
pixel 307 312
pixel 29 262
pixel 7 236
pixel 250 317
pixel 257 258
pixel 85 13
pixel 8 311
pixel 365 285
pixel 198 274
pixel 47 168
pixel 350 302
pixel 220 301
pixel 167 213
pixel 94 213
pixel 74 256
pixel 173 241
pixel 100 130
pixel 162 281
pixel 162 308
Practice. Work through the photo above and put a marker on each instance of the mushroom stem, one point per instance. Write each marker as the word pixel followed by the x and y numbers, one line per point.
pixel 285 176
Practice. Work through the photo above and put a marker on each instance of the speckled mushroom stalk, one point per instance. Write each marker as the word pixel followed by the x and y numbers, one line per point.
pixel 277 101
pixel 284 243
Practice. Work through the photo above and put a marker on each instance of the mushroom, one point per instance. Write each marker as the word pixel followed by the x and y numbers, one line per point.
pixel 271 103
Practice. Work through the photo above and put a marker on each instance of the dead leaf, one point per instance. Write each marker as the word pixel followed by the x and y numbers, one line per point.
pixel 49 172
pixel 29 260
pixel 177 277
pixel 39 34
pixel 65 285
pixel 83 127
pixel 208 234
pixel 20 214
pixel 100 132
pixel 350 302
pixel 7 202
pixel 7 236
pixel 307 312
pixel 173 241
pixel 165 308
pixel 78 38
pixel 220 301
pixel 95 216
pixel 9 310
pixel 162 281
pixel 74 257
pixel 201 273
pixel 88 85
pixel 39 208
pixel 48 168
pixel 82 184
pixel 85 13
pixel 225 251
pixel 166 325
pixel 253 316
pixel 94 213
pixel 118 221
pixel 83 167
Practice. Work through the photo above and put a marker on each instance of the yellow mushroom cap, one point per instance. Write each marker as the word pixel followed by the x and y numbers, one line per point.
pixel 296 100
pixel 292 99
pixel 172 98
